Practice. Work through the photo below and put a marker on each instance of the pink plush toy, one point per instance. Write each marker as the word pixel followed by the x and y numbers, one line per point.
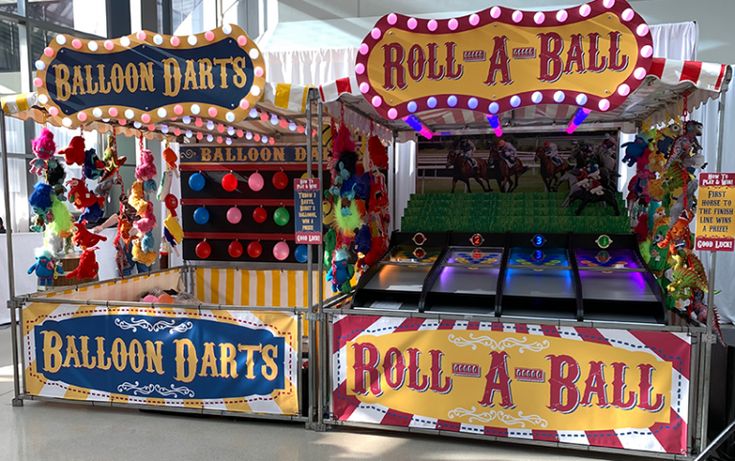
pixel 146 170
pixel 147 221
pixel 44 147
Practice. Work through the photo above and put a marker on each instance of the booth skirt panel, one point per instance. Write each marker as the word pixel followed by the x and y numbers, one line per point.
pixel 196 359
pixel 126 289
pixel 255 288
pixel 597 387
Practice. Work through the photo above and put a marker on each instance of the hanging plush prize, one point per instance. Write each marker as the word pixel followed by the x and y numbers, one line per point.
pixel 93 168
pixel 85 239
pixel 146 170
pixel 87 268
pixel 46 268
pixel 44 148
pixel 74 152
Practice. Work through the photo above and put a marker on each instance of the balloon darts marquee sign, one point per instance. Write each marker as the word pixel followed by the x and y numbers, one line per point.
pixel 148 77
pixel 592 56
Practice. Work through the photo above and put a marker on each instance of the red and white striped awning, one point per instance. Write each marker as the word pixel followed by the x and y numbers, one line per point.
pixel 669 81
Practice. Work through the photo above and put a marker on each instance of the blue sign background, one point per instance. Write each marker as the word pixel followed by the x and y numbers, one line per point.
pixel 144 100
pixel 160 386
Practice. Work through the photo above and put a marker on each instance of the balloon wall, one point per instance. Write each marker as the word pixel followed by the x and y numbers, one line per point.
pixel 241 210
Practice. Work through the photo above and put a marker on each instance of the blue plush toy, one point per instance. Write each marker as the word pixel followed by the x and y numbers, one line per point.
pixel 40 198
pixel 363 239
pixel 342 271
pixel 94 168
pixel 45 268
pixel 634 150
pixel 92 214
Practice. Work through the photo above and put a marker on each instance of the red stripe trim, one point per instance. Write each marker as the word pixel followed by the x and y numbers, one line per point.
pixel 451 426
pixel 521 328
pixel 410 324
pixel 548 436
pixel 236 201
pixel 657 67
pixel 669 347
pixel 236 235
pixel 245 166
pixel 723 71
pixel 343 85
pixel 396 418
pixel 349 328
pixel 473 326
pixel 446 324
pixel 603 439
pixel 672 435
pixel 344 405
pixel 496 431
pixel 550 330
pixel 690 71
pixel 592 335
pixel 496 326
pixel 321 93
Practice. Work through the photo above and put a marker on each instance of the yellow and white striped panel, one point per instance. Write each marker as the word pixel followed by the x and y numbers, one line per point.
pixel 18 103
pixel 287 96
pixel 280 402
pixel 128 289
pixel 255 288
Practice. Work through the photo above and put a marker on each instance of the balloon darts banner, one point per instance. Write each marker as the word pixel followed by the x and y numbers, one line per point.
pixel 196 358
pixel 243 154
pixel 148 77
pixel 500 59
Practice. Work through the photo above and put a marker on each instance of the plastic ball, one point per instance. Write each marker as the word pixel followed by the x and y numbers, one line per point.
pixel 235 249
pixel 203 250
pixel 281 251
pixel 256 182
pixel 280 180
pixel 260 215
pixel 301 253
pixel 201 215
pixel 229 182
pixel 234 215
pixel 171 202
pixel 197 182
pixel 281 216
pixel 255 249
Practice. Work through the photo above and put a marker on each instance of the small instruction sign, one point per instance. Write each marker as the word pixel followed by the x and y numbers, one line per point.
pixel 715 212
pixel 308 208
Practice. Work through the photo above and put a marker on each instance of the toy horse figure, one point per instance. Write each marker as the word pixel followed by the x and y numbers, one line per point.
pixel 553 166
pixel 592 190
pixel 463 170
pixel 605 154
pixel 506 176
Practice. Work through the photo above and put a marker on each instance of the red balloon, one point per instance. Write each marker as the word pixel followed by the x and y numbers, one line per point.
pixel 235 249
pixel 280 180
pixel 229 182
pixel 171 203
pixel 203 250
pixel 260 215
pixel 255 249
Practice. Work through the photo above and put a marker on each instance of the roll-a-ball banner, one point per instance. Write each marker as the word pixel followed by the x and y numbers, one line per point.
pixel 149 77
pixel 500 59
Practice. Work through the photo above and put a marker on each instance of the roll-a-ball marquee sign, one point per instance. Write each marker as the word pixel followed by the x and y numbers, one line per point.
pixel 148 77
pixel 592 56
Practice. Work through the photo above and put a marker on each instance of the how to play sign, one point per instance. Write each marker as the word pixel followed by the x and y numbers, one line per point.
pixel 500 59
pixel 198 358
pixel 611 388
pixel 149 77
pixel 716 212
pixel 308 208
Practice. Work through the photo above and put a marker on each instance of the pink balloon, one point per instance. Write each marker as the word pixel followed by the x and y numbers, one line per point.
pixel 234 215
pixel 280 251
pixel 255 181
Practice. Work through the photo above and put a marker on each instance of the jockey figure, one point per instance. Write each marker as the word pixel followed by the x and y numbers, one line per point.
pixel 509 153
pixel 466 149
pixel 552 152
pixel 589 179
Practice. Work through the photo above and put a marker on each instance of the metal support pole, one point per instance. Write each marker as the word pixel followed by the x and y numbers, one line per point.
pixel 313 358
pixel 709 337
pixel 323 327
pixel 17 402
pixel 392 182
pixel 729 430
